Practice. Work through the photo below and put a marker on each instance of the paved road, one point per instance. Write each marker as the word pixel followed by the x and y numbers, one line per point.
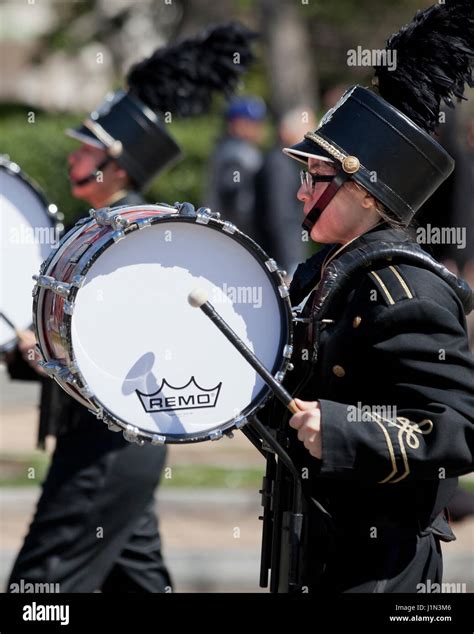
pixel 211 538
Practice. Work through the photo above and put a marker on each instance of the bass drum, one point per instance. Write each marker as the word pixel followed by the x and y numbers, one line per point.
pixel 29 229
pixel 116 331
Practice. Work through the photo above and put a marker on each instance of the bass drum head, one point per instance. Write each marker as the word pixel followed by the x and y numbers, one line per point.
pixel 153 361
pixel 27 233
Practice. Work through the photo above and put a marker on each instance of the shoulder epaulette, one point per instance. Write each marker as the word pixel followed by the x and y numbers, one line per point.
pixel 392 284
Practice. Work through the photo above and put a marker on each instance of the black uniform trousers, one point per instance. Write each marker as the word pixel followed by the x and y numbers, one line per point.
pixel 403 560
pixel 95 526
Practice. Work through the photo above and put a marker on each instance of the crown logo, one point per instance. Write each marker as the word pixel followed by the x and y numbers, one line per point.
pixel 170 398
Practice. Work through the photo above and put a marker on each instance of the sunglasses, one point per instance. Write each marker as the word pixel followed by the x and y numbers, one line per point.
pixel 310 180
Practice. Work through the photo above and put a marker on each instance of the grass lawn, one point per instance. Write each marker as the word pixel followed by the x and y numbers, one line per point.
pixel 30 469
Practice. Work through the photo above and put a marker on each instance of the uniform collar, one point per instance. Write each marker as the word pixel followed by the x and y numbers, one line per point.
pixel 308 274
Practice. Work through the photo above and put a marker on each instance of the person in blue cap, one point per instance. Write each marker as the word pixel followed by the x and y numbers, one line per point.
pixel 235 163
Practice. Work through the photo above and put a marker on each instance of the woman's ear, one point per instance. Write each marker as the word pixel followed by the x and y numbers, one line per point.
pixel 368 201
pixel 120 173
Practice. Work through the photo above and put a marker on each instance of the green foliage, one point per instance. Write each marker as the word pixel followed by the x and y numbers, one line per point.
pixel 41 149
pixel 186 180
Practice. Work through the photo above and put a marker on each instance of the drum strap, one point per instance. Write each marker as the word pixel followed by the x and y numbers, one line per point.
pixel 95 173
pixel 340 273
pixel 323 201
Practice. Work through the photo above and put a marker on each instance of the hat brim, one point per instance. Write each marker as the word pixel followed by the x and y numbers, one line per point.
pixel 307 149
pixel 84 136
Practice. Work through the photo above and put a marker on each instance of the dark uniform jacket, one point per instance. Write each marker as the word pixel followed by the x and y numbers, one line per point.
pixel 59 412
pixel 232 181
pixel 396 340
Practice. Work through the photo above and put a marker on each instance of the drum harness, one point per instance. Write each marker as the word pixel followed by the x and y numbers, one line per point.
pixel 284 502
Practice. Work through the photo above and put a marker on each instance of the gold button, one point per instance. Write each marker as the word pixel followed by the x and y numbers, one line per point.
pixel 356 321
pixel 339 371
pixel 350 164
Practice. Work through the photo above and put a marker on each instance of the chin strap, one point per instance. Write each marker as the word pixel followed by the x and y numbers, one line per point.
pixel 323 201
pixel 95 173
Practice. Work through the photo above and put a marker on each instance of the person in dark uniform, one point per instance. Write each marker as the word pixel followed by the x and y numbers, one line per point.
pixel 383 375
pixel 235 163
pixel 282 238
pixel 95 525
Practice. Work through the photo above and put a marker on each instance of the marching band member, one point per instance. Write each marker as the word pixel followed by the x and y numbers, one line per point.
pixel 384 376
pixel 95 525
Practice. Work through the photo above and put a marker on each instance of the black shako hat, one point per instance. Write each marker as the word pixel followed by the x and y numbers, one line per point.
pixel 382 141
pixel 175 81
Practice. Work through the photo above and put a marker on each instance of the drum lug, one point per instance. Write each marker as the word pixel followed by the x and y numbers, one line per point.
pixel 202 218
pixel 271 265
pixel 186 210
pixel 215 435
pixel 157 439
pixel 100 215
pixel 131 434
pixel 56 370
pixel 143 222
pixel 279 376
pixel 49 283
pixel 283 290
pixel 287 351
pixel 240 421
pixel 108 217
pixel 204 214
pixel 110 424
pixel 229 227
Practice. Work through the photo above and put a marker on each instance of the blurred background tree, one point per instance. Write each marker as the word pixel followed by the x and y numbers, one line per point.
pixel 60 58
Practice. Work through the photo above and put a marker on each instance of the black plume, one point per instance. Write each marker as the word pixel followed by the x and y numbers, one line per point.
pixel 182 78
pixel 434 61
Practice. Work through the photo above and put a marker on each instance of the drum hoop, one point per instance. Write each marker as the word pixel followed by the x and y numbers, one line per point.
pixel 98 408
pixel 14 169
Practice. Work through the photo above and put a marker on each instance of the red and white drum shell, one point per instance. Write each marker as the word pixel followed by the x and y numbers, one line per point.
pixel 162 413
pixel 66 266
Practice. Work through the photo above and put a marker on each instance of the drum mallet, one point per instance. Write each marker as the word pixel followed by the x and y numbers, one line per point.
pixel 17 332
pixel 198 299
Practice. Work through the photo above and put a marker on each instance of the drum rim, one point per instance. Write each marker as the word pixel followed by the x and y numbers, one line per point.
pixel 15 170
pixel 85 264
